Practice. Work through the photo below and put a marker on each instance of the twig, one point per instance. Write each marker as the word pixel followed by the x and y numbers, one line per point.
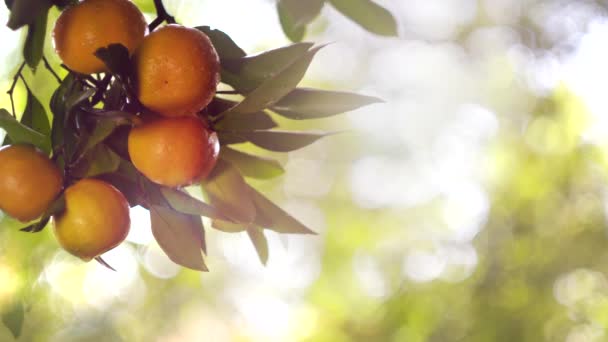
pixel 49 68
pixel 12 88
pixel 25 83
pixel 161 15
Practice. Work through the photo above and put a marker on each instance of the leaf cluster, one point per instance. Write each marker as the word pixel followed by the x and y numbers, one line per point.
pixel 91 117
pixel 296 15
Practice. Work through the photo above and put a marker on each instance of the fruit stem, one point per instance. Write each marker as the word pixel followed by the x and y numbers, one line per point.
pixel 161 15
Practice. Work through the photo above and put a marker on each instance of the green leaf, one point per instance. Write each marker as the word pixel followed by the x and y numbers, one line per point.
pixel 303 12
pixel 99 160
pixel 76 98
pixel 229 138
pixel 24 12
pixel 228 192
pixel 296 14
pixel 224 45
pixel 21 134
pixel 228 227
pixel 34 116
pixel 103 129
pixel 250 121
pixel 34 42
pixel 124 184
pixel 252 166
pixel 280 141
pixel 277 86
pixel 184 203
pixel 57 207
pixel 180 236
pixel 304 103
pixel 13 318
pixel 247 73
pixel 369 15
pixel 59 109
pixel 294 31
pixel 271 216
pixel 259 242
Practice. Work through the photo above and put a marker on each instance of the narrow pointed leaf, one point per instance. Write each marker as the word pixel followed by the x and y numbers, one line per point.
pixel 34 42
pixel 259 243
pixel 224 45
pixel 184 203
pixel 34 116
pixel 281 141
pixel 276 87
pixel 251 121
pixel 99 160
pixel 180 236
pixel 304 103
pixel 228 227
pixel 229 138
pixel 252 166
pixel 21 134
pixel 369 15
pixel 103 129
pixel 228 192
pixel 248 73
pixel 13 318
pixel 24 12
pixel 271 216
pixel 269 63
pixel 295 15
pixel 303 12
pixel 294 31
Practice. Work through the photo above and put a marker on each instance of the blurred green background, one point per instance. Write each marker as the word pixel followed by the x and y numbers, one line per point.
pixel 471 206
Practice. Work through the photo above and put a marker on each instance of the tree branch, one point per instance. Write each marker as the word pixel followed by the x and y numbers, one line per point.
pixel 161 15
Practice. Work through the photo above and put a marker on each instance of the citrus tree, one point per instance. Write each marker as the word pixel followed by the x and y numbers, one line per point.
pixel 142 112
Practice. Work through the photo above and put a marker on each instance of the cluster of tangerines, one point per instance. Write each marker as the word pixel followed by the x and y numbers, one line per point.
pixel 176 72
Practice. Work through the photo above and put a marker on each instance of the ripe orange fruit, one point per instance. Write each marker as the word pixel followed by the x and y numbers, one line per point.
pixel 174 151
pixel 92 24
pixel 177 71
pixel 95 220
pixel 29 182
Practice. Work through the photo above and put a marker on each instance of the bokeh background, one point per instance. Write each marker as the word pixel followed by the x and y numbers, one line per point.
pixel 470 206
